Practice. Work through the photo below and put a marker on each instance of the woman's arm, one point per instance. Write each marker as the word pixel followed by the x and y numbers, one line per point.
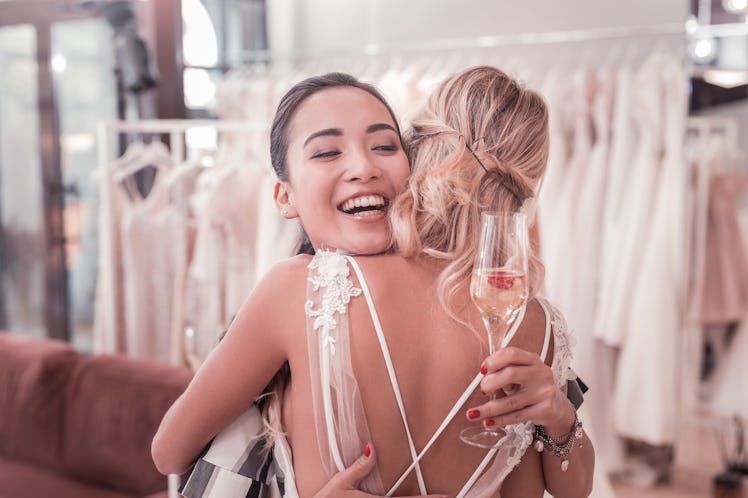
pixel 538 399
pixel 235 373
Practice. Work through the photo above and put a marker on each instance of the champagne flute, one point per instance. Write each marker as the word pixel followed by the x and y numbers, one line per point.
pixel 498 288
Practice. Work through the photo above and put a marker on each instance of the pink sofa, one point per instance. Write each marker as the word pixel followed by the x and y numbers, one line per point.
pixel 74 426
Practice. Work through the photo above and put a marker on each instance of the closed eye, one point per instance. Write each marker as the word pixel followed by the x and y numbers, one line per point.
pixel 386 148
pixel 326 154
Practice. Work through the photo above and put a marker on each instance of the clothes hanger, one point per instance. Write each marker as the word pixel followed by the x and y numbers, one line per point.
pixel 134 150
pixel 154 154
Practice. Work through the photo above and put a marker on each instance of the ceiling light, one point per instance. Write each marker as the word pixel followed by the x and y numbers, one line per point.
pixel 735 6
pixel 703 50
pixel 726 79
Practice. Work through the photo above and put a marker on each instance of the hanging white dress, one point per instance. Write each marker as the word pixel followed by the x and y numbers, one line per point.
pixel 109 309
pixel 636 203
pixel 563 283
pixel 551 208
pixel 612 230
pixel 587 217
pixel 148 233
pixel 205 290
pixel 222 271
pixel 648 365
pixel 180 184
pixel 233 206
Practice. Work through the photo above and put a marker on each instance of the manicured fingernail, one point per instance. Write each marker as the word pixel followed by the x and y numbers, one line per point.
pixel 473 414
pixel 367 450
pixel 489 422
pixel 483 369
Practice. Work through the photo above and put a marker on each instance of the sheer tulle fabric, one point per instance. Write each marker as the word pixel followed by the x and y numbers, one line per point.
pixel 339 416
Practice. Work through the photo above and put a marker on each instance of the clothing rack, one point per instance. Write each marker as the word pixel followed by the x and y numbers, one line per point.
pixel 480 42
pixel 175 128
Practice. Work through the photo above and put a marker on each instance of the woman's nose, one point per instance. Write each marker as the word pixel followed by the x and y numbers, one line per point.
pixel 363 169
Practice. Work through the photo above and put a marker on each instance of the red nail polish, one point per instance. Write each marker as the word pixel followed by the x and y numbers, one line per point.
pixel 367 450
pixel 483 369
pixel 473 414
pixel 489 422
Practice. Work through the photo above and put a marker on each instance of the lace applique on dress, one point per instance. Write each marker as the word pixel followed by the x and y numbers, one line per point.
pixel 332 276
pixel 563 343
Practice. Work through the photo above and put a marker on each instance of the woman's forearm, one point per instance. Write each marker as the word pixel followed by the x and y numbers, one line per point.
pixel 576 482
pixel 174 449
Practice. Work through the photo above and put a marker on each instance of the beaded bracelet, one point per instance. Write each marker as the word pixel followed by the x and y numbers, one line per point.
pixel 560 446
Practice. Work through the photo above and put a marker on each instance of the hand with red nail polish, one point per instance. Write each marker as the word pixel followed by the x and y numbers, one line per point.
pixel 526 391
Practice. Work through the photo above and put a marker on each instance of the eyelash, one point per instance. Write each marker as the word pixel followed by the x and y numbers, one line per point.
pixel 325 155
pixel 333 153
pixel 387 148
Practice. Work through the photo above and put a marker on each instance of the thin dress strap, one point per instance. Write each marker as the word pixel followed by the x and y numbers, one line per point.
pixel 390 369
pixel 547 340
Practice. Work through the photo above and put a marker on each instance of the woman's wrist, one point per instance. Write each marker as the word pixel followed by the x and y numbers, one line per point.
pixel 564 420
pixel 562 445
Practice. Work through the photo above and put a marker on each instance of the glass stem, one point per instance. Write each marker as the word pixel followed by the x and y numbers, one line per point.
pixel 496 330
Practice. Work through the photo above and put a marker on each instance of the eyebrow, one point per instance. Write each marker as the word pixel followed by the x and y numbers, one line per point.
pixel 337 132
pixel 380 126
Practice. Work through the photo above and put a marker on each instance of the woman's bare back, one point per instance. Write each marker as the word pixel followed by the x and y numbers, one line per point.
pixel 435 359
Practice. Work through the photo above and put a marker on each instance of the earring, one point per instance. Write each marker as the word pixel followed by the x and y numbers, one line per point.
pixel 284 212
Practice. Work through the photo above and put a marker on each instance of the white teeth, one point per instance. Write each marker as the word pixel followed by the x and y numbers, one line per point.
pixel 363 201
pixel 364 214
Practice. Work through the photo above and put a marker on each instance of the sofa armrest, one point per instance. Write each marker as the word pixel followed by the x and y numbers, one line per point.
pixel 33 376
pixel 114 405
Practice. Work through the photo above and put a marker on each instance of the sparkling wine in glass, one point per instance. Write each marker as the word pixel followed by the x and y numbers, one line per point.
pixel 498 288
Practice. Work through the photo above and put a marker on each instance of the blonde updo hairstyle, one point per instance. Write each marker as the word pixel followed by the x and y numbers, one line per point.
pixel 480 115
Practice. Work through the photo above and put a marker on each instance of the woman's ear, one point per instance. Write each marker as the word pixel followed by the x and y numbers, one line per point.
pixel 284 200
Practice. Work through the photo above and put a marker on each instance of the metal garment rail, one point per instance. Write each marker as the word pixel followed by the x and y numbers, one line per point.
pixel 494 41
pixel 175 128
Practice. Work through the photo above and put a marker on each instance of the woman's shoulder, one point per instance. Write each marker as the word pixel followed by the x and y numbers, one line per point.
pixel 560 341
pixel 395 264
pixel 532 331
pixel 289 268
pixel 284 279
pixel 388 275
